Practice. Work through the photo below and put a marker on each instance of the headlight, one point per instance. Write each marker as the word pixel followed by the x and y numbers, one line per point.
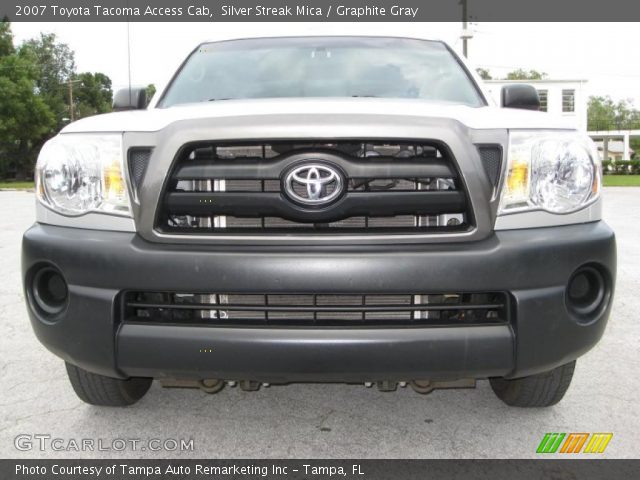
pixel 80 173
pixel 554 171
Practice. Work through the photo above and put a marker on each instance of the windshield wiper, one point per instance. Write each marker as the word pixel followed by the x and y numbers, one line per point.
pixel 219 99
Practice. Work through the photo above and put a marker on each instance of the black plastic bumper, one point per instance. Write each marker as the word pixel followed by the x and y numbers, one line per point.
pixel 533 265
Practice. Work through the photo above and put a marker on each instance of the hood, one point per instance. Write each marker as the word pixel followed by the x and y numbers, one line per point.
pixel 155 119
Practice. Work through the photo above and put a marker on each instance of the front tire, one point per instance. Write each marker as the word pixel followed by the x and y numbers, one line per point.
pixel 104 391
pixel 540 390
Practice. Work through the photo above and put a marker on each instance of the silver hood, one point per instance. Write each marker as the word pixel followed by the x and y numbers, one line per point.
pixel 155 119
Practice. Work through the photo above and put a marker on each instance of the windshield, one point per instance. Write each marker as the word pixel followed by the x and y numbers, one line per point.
pixel 322 67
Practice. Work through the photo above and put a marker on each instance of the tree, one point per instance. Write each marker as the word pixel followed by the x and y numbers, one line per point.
pixel 151 91
pixel 6 38
pixel 92 94
pixel 56 66
pixel 605 114
pixel 24 117
pixel 521 74
pixel 484 73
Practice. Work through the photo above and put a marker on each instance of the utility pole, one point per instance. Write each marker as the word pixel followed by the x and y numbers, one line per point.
pixel 464 28
pixel 71 97
pixel 70 86
pixel 466 34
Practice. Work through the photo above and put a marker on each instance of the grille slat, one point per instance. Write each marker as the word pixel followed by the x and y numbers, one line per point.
pixel 320 308
pixel 256 169
pixel 359 204
pixel 389 187
pixel 317 309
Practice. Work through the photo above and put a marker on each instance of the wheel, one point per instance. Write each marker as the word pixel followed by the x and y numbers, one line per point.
pixel 106 391
pixel 540 390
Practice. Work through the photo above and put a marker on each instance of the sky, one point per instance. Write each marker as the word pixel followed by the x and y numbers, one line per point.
pixel 602 53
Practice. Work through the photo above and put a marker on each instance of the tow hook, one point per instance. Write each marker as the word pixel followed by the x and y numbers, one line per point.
pixel 426 386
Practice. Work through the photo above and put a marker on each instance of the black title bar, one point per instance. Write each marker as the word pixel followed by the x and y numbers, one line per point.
pixel 122 469
pixel 319 10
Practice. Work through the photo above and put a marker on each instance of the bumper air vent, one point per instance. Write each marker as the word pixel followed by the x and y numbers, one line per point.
pixel 367 310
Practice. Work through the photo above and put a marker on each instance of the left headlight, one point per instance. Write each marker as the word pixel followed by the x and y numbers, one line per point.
pixel 81 173
pixel 558 172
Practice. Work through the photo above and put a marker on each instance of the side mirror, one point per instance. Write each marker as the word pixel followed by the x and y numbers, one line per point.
pixel 519 95
pixel 130 99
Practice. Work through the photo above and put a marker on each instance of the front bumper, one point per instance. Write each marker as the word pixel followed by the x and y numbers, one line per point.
pixel 533 265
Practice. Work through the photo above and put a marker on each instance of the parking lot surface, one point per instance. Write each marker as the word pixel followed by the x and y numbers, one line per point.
pixel 317 421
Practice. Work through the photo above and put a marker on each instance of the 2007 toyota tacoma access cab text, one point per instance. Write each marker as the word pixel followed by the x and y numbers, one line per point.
pixel 320 209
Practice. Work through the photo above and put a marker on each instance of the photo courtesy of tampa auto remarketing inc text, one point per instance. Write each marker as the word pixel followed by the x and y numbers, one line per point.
pixel 307 240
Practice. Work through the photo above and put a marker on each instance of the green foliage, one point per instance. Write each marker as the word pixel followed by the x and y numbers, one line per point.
pixel 92 94
pixel 621 167
pixel 56 65
pixel 151 91
pixel 605 114
pixel 25 118
pixel 34 97
pixel 6 38
pixel 521 74
pixel 484 73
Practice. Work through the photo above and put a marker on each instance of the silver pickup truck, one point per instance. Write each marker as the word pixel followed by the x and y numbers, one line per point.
pixel 320 209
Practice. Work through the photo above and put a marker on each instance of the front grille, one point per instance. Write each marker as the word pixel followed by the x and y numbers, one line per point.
pixel 368 310
pixel 386 186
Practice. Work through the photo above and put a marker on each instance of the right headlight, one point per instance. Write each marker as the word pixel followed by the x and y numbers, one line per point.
pixel 81 173
pixel 558 172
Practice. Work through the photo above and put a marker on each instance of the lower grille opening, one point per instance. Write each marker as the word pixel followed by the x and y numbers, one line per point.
pixel 317 310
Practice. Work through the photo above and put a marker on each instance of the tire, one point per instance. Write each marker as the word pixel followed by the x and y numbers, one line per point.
pixel 540 390
pixel 97 389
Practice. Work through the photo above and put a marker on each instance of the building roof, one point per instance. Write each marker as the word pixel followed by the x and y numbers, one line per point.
pixel 544 80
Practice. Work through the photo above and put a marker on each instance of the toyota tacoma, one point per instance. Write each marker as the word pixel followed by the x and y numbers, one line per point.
pixel 320 209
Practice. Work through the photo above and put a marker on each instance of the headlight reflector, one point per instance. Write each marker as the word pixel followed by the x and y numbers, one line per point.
pixel 558 172
pixel 79 173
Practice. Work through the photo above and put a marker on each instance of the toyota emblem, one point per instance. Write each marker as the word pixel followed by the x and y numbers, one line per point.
pixel 313 184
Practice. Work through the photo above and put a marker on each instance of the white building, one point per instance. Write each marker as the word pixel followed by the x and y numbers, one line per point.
pixel 616 149
pixel 567 98
pixel 608 142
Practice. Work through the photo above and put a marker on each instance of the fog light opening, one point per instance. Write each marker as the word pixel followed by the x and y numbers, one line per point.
pixel 586 292
pixel 49 290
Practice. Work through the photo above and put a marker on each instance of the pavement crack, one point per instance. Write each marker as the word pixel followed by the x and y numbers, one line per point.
pixel 323 418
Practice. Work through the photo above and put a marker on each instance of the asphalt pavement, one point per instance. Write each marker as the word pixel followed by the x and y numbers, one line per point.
pixel 312 420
